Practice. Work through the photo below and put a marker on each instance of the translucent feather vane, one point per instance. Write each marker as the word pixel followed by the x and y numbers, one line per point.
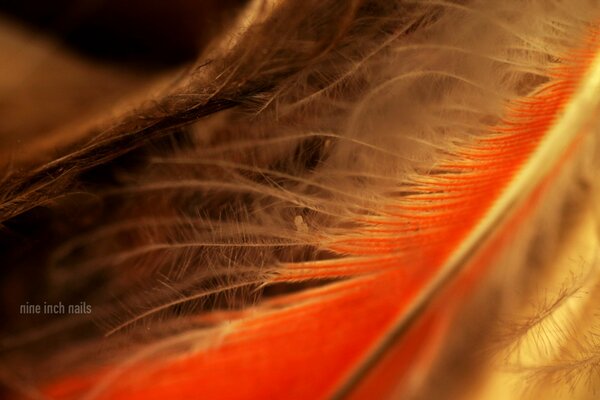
pixel 338 199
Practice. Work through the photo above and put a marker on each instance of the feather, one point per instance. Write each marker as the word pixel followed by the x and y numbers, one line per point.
pixel 321 205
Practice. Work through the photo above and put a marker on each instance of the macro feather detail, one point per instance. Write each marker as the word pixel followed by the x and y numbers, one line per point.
pixel 320 207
